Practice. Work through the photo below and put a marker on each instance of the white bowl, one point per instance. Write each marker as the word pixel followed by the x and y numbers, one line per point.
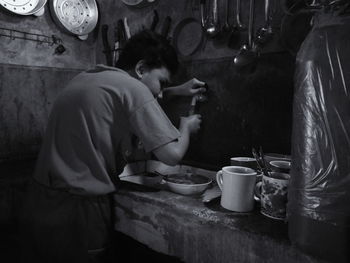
pixel 184 188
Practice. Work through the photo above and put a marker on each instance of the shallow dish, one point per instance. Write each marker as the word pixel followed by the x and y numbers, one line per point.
pixel 276 157
pixel 187 184
pixel 280 166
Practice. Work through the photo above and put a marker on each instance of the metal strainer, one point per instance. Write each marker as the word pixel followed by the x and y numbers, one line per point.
pixel 78 17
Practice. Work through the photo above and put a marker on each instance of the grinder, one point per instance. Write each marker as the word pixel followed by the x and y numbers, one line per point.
pixel 197 98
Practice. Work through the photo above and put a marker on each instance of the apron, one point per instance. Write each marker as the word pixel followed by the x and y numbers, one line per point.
pixel 57 226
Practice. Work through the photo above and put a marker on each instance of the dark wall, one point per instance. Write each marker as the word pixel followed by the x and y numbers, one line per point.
pixel 26 95
pixel 243 110
pixel 246 107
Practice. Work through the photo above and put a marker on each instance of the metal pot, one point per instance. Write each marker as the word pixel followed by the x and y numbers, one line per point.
pixel 24 7
pixel 78 17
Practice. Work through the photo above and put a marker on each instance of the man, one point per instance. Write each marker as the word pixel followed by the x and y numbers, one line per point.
pixel 67 212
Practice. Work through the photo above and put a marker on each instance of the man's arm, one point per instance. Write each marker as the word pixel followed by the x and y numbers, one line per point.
pixel 172 152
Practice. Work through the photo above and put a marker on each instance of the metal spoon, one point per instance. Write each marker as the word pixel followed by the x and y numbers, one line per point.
pixel 239 24
pixel 265 32
pixel 234 41
pixel 212 28
pixel 247 53
pixel 202 8
pixel 227 28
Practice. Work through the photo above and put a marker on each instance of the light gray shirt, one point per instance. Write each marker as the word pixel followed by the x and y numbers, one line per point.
pixel 90 127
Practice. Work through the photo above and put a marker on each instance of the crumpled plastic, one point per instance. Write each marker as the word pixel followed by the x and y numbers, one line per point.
pixel 320 176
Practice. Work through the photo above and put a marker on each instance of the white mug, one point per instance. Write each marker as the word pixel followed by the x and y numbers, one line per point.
pixel 237 184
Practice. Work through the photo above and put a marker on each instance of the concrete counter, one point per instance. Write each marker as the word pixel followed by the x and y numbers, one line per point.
pixel 176 225
pixel 185 227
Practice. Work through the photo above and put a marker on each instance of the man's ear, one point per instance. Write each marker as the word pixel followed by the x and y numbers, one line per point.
pixel 140 69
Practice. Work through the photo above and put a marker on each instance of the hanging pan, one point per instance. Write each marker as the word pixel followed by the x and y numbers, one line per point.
pixel 78 17
pixel 188 36
pixel 24 7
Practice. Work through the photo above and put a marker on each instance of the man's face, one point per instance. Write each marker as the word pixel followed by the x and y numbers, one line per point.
pixel 156 79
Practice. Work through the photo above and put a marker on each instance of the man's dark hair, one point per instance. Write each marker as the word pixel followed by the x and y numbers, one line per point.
pixel 151 47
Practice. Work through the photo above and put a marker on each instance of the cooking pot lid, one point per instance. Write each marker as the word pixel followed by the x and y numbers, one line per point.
pixel 77 16
pixel 23 7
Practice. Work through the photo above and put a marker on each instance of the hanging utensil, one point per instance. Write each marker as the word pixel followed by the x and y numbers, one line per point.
pixel 107 48
pixel 28 7
pixel 155 20
pixel 191 30
pixel 226 27
pixel 202 10
pixel 239 24
pixel 212 24
pixel 265 33
pixel 166 27
pixel 238 32
pixel 247 53
pixel 126 28
pixel 78 17
pixel 117 42
pixel 122 33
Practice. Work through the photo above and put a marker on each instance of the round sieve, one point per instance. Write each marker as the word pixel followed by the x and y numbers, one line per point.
pixel 79 17
pixel 24 7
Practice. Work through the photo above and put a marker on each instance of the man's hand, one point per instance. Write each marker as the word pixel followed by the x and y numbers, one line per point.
pixel 192 123
pixel 189 88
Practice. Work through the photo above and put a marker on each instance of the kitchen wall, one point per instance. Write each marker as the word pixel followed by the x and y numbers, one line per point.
pixel 32 74
pixel 246 107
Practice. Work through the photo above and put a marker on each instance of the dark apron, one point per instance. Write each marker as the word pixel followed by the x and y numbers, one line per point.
pixel 57 226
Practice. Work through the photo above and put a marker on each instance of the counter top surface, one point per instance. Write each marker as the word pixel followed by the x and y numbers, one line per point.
pixel 210 212
pixel 139 209
pixel 187 227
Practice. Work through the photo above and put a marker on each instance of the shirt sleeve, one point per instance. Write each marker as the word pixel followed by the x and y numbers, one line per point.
pixel 152 126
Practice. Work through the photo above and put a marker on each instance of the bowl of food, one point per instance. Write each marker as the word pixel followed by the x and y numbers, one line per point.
pixel 187 184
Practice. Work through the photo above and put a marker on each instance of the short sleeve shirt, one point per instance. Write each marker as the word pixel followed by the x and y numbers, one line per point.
pixel 90 127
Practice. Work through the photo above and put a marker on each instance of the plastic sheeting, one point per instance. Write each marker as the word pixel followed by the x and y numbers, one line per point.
pixel 320 176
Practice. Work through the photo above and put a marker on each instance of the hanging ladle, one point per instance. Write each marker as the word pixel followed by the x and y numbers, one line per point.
pixel 227 27
pixel 234 41
pixel 239 24
pixel 210 24
pixel 212 28
pixel 265 33
pixel 247 53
